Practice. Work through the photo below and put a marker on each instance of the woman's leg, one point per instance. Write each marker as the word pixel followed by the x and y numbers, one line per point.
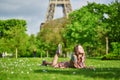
pixel 55 60
pixel 53 63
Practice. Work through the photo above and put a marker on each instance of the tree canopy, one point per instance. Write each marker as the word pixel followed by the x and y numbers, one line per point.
pixel 92 25
pixel 13 35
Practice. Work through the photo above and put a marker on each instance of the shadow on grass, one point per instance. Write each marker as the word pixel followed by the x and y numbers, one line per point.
pixel 106 73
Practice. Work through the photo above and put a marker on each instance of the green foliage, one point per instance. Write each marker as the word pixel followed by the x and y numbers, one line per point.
pixel 114 21
pixel 7 25
pixel 116 48
pixel 50 36
pixel 111 56
pixel 90 26
pixel 87 27
pixel 13 36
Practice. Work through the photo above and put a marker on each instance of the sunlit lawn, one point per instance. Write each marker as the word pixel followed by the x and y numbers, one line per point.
pixel 31 69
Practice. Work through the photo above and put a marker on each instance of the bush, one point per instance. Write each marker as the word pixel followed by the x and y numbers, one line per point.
pixel 115 55
pixel 111 57
pixel 115 48
pixel 0 54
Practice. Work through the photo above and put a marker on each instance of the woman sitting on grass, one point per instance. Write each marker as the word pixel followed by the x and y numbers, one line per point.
pixel 76 61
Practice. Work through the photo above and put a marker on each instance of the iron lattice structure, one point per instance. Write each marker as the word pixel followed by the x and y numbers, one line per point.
pixel 66 5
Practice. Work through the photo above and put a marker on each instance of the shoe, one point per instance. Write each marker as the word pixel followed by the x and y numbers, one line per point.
pixel 59 50
pixel 44 63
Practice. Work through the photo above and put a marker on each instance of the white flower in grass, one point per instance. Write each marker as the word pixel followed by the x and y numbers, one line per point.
pixel 108 68
pixel 12 72
pixel 39 64
pixel 74 72
pixel 44 71
pixel 94 69
pixel 20 60
pixel 27 72
pixel 22 72
pixel 6 70
pixel 15 62
pixel 28 65
pixel 30 69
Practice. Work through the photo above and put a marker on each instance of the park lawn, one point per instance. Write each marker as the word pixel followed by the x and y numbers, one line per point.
pixel 31 69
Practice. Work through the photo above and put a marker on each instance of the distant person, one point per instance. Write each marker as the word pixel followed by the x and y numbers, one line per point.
pixel 77 59
pixel 34 52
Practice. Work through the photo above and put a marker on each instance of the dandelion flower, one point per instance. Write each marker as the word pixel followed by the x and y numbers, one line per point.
pixel 22 72
pixel 27 72
pixel 12 72
pixel 44 71
pixel 74 72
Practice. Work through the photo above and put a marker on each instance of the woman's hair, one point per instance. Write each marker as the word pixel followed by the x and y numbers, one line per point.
pixel 76 49
pixel 78 53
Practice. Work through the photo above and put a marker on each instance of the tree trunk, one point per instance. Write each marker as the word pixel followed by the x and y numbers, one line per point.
pixel 47 54
pixel 41 55
pixel 16 52
pixel 107 46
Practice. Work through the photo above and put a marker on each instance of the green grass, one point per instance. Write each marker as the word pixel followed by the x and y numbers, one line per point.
pixel 31 69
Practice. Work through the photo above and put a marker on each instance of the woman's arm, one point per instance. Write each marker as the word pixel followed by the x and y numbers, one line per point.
pixel 75 61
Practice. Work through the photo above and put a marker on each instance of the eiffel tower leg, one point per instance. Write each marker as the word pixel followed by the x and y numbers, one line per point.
pixel 67 9
pixel 50 13
pixel 64 10
pixel 51 9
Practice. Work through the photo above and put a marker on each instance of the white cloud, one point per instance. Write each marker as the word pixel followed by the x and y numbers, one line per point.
pixel 76 4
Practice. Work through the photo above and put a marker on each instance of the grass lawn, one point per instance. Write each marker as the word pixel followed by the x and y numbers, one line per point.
pixel 31 69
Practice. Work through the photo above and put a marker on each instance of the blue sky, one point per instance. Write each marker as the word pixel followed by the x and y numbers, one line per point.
pixel 34 11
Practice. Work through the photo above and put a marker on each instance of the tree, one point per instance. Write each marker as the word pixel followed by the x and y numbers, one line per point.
pixel 14 33
pixel 114 21
pixel 94 26
pixel 50 35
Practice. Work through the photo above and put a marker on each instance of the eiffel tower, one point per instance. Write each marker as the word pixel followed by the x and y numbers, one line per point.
pixel 65 4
